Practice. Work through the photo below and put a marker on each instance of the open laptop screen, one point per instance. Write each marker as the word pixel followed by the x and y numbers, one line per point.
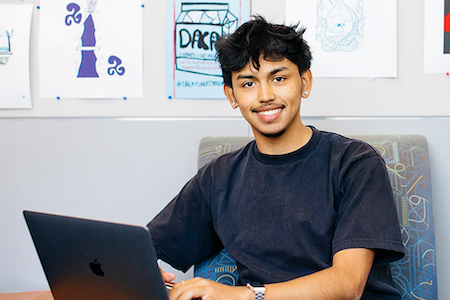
pixel 89 259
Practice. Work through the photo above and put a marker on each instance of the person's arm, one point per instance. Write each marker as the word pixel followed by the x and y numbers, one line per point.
pixel 345 279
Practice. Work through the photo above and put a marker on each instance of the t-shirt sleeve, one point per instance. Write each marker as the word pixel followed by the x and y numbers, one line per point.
pixel 183 232
pixel 366 211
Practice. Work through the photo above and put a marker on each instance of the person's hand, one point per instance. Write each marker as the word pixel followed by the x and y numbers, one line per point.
pixel 167 277
pixel 199 288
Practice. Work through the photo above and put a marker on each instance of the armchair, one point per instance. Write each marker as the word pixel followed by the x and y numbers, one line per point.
pixel 406 158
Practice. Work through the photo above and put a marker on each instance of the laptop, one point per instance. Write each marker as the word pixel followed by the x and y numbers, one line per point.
pixel 90 259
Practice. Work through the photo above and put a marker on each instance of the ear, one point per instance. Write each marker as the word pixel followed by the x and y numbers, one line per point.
pixel 229 93
pixel 306 83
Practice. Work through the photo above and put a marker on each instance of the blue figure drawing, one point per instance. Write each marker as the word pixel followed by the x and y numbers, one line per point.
pixel 88 58
pixel 88 42
pixel 340 24
pixel 88 66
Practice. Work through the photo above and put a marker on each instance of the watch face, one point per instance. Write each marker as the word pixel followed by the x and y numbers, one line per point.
pixel 257 284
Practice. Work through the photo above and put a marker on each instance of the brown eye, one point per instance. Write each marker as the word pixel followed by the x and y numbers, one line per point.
pixel 278 79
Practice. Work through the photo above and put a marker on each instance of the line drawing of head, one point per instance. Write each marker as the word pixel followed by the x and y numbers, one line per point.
pixel 339 25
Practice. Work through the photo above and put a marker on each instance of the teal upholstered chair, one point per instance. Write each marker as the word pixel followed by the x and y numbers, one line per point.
pixel 406 160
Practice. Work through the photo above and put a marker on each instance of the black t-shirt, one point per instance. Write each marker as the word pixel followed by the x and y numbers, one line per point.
pixel 285 216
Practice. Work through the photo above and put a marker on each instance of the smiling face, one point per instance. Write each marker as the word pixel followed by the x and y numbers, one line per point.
pixel 269 98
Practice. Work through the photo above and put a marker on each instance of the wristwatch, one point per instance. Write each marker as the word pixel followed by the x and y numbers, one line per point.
pixel 257 288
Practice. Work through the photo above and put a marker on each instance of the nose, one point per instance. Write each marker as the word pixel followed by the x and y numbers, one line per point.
pixel 266 93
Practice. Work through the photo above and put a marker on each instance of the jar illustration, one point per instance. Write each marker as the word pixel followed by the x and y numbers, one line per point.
pixel 197 29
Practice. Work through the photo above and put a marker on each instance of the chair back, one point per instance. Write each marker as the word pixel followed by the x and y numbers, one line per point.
pixel 406 158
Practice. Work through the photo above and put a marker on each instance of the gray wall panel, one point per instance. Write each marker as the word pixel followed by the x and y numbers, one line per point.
pixel 123 171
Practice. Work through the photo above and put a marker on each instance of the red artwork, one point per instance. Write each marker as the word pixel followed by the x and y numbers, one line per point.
pixel 447 22
pixel 446 27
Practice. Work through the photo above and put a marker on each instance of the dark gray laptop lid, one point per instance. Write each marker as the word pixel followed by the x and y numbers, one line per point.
pixel 90 260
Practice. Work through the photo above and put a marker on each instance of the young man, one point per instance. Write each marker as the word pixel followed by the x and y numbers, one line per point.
pixel 308 214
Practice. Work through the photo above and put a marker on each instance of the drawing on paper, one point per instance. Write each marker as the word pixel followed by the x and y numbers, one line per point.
pixel 6 33
pixel 340 24
pixel 197 28
pixel 82 41
pixel 15 28
pixel 447 27
pixel 88 42
pixel 88 67
pixel 116 62
pixel 193 28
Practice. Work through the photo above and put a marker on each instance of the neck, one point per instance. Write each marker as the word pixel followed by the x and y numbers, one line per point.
pixel 288 142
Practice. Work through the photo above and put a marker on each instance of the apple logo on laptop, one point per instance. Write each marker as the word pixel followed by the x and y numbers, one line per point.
pixel 96 268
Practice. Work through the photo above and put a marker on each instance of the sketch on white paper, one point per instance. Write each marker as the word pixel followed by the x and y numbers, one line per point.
pixel 91 54
pixel 6 33
pixel 348 38
pixel 340 25
pixel 15 25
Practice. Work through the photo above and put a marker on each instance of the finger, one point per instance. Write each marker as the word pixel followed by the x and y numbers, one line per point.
pixel 179 288
pixel 189 294
pixel 167 277
pixel 195 288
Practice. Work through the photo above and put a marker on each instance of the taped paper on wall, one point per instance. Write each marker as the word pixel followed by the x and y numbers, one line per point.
pixel 90 49
pixel 348 38
pixel 15 26
pixel 193 29
pixel 437 36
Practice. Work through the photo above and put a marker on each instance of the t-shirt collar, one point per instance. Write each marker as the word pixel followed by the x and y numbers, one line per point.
pixel 288 157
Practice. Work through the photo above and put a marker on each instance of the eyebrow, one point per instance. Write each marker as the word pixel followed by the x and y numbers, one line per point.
pixel 245 77
pixel 273 72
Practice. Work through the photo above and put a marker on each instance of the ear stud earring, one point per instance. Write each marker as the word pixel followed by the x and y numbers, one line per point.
pixel 306 92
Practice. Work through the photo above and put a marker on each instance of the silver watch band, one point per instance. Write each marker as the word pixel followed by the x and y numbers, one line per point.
pixel 260 291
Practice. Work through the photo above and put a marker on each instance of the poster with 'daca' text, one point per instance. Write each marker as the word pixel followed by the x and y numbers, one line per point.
pixel 193 27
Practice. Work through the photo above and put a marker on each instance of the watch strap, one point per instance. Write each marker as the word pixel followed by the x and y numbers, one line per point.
pixel 258 289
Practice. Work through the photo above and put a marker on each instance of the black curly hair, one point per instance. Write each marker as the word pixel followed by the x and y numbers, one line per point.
pixel 257 38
